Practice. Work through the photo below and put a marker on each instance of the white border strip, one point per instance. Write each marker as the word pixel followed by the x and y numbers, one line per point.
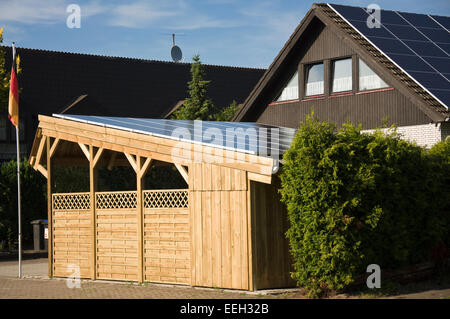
pixel 356 29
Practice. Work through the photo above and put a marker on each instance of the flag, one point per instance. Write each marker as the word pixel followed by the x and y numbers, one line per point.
pixel 13 98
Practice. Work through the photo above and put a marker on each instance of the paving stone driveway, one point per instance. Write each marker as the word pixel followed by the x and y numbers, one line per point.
pixel 42 287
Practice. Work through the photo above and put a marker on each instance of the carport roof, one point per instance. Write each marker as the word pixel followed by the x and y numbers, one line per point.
pixel 248 137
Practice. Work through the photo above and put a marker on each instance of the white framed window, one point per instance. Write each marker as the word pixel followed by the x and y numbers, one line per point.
pixel 341 71
pixel 314 79
pixel 368 79
pixel 290 92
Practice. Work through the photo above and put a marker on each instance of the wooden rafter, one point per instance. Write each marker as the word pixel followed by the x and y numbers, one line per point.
pixel 98 155
pixel 132 161
pixel 37 161
pixel 145 167
pixel 42 170
pixel 54 145
pixel 182 171
pixel 85 150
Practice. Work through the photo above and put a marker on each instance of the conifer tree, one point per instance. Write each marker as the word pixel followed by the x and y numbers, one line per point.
pixel 197 106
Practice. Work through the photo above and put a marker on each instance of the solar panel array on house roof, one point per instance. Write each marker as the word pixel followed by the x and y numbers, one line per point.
pixel 251 138
pixel 419 44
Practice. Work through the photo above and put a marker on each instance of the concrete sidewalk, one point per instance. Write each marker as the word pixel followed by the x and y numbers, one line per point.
pixel 30 268
pixel 36 284
pixel 28 288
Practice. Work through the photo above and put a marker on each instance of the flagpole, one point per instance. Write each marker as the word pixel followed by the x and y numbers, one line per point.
pixel 19 217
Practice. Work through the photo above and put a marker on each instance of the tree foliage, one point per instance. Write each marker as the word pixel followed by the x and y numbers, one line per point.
pixel 33 201
pixel 4 76
pixel 227 113
pixel 197 106
pixel 355 199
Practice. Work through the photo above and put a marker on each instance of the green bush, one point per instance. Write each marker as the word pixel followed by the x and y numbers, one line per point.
pixel 33 202
pixel 354 199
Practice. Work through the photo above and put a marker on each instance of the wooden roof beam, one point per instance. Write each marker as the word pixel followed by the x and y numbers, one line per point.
pixel 182 171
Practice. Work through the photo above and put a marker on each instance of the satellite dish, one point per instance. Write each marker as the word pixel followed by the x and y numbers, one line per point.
pixel 175 52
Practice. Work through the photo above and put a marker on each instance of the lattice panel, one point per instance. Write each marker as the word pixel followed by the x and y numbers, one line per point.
pixel 116 200
pixel 72 201
pixel 166 199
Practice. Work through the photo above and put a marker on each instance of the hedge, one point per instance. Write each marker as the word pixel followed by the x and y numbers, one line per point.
pixel 355 199
pixel 33 202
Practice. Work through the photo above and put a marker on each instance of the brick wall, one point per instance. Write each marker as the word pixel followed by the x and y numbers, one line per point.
pixel 425 134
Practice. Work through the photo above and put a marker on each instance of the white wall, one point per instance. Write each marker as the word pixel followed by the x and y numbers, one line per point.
pixel 425 134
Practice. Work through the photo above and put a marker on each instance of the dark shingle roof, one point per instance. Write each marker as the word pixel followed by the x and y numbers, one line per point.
pixel 52 81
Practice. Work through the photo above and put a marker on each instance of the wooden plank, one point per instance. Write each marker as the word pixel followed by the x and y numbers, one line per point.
pixel 132 161
pixel 92 185
pixel 40 151
pixel 85 151
pixel 42 170
pixel 225 222
pixel 145 167
pixel 198 176
pixel 244 238
pixel 183 172
pixel 266 179
pixel 216 174
pixel 226 178
pixel 54 145
pixel 216 240
pixel 250 234
pixel 51 241
pixel 140 220
pixel 97 156
pixel 206 177
pixel 198 252
pixel 207 236
pixel 236 240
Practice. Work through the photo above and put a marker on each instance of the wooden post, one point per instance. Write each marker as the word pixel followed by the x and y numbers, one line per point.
pixel 140 219
pixel 92 189
pixel 49 208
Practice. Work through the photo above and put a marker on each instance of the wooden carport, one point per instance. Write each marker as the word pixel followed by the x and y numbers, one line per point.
pixel 225 230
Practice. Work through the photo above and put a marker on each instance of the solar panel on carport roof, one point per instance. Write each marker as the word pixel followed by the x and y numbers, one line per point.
pixel 417 43
pixel 240 136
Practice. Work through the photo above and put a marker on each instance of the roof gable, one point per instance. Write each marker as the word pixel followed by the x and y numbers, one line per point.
pixel 322 12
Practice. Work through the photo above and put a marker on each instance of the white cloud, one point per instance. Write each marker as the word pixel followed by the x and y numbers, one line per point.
pixel 140 14
pixel 43 12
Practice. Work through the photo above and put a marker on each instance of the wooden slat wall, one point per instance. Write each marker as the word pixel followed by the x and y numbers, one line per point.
pixel 117 244
pixel 71 242
pixel 272 261
pixel 219 253
pixel 368 109
pixel 167 245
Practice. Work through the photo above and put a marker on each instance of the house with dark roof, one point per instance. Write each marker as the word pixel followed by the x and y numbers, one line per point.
pixel 367 67
pixel 61 82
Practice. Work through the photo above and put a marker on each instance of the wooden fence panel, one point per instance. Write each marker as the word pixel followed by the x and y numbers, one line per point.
pixel 117 236
pixel 167 237
pixel 71 235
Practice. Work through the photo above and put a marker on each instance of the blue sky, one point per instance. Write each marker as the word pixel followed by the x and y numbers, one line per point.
pixel 224 32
